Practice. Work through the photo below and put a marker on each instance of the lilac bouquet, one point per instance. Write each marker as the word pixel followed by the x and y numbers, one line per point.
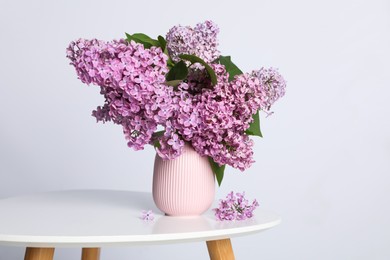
pixel 180 84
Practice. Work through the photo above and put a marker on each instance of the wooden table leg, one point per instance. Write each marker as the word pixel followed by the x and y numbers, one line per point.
pixel 35 253
pixel 220 249
pixel 90 254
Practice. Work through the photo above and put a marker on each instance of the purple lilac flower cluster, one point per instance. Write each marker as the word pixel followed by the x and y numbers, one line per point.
pixel 273 86
pixel 213 119
pixel 235 207
pixel 132 81
pixel 200 41
pixel 216 124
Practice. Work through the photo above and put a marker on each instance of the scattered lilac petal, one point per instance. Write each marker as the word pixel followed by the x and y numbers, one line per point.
pixel 147 215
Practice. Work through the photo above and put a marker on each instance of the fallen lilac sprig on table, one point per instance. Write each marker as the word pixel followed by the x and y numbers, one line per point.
pixel 147 215
pixel 235 207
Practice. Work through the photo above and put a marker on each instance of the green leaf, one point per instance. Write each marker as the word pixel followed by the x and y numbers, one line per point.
pixel 143 39
pixel 156 143
pixel 178 72
pixel 218 170
pixel 174 83
pixel 159 133
pixel 163 43
pixel 254 127
pixel 194 59
pixel 230 67
pixel 170 62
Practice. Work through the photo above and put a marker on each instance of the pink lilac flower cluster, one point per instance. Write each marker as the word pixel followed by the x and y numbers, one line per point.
pixel 216 121
pixel 132 81
pixel 235 207
pixel 213 119
pixel 200 41
pixel 273 86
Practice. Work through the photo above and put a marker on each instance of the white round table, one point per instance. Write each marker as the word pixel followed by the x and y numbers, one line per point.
pixel 95 218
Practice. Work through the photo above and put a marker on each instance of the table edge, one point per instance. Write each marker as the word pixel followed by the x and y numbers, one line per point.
pixel 150 239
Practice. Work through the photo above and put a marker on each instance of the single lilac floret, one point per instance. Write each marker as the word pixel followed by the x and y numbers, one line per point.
pixel 147 215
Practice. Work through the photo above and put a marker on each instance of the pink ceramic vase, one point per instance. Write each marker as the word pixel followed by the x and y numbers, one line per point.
pixel 184 186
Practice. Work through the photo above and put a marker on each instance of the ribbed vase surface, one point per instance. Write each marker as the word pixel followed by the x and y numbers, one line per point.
pixel 184 186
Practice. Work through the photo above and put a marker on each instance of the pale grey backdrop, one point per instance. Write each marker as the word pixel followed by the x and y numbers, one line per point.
pixel 324 161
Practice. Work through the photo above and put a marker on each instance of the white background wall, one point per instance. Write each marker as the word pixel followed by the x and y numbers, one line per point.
pixel 324 161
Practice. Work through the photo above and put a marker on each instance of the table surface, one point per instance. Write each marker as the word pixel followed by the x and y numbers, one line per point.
pixel 95 218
